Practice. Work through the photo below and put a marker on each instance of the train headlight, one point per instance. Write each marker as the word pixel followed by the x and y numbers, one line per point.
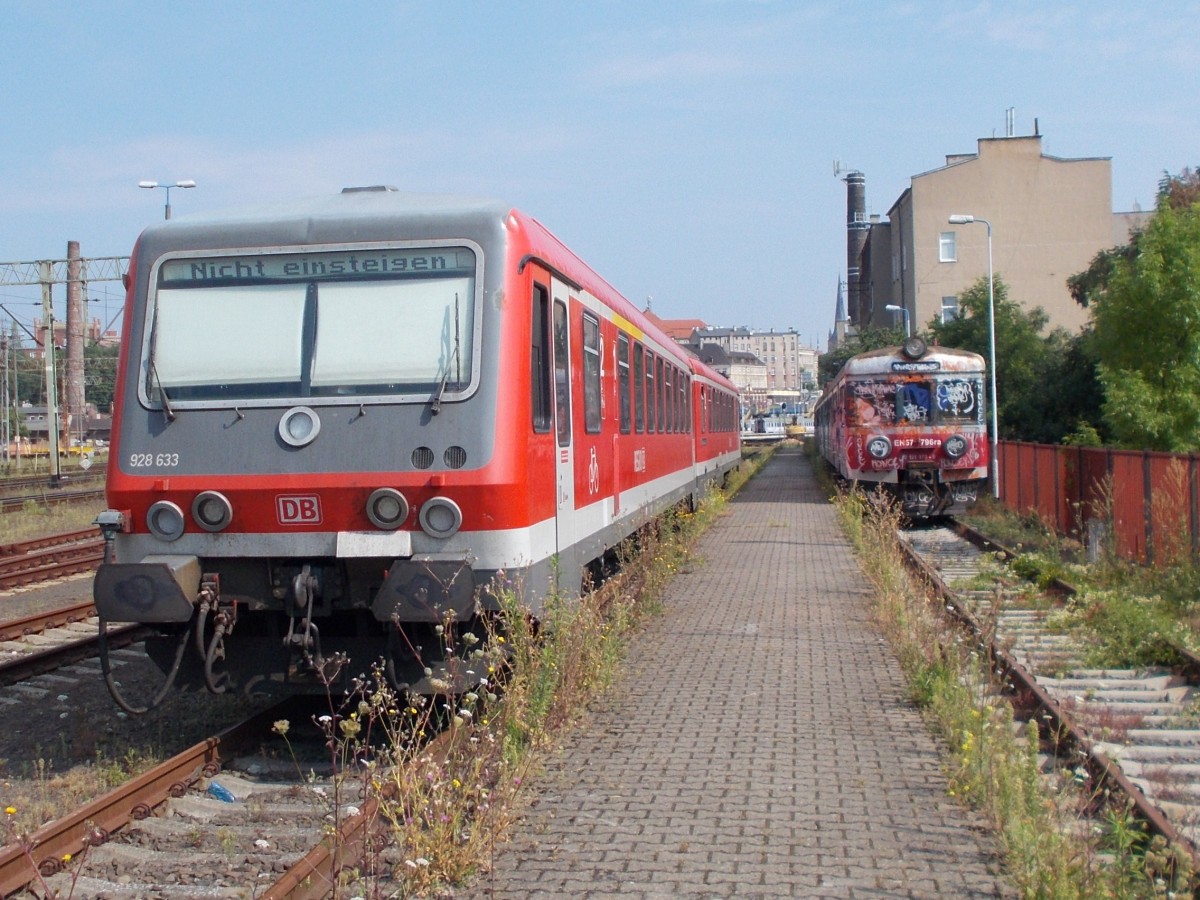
pixel 165 520
pixel 879 447
pixel 955 446
pixel 212 511
pixel 387 508
pixel 914 347
pixel 441 517
pixel 299 426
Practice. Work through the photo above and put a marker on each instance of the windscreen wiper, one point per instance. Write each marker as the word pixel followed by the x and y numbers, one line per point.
pixel 435 402
pixel 168 413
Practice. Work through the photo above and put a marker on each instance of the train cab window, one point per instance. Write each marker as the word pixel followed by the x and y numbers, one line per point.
pixel 591 374
pixel 562 375
pixel 292 326
pixel 914 400
pixel 539 361
pixel 958 400
pixel 623 381
pixel 639 389
pixel 871 403
pixel 650 398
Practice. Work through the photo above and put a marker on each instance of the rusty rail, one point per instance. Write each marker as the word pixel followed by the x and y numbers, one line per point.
pixel 1104 770
pixel 92 824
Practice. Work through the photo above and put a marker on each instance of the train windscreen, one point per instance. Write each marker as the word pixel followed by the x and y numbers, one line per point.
pixel 915 401
pixel 303 325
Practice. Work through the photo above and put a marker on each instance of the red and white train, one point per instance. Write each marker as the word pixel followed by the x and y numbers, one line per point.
pixel 912 420
pixel 340 425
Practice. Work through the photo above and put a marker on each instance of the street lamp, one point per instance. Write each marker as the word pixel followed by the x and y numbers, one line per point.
pixel 187 183
pixel 969 220
pixel 901 309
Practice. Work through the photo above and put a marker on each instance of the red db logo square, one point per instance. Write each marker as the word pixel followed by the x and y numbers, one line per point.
pixel 298 510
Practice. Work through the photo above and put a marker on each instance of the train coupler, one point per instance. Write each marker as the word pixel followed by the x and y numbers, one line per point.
pixel 223 614
pixel 303 638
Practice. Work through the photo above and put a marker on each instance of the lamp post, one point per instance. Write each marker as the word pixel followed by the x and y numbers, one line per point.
pixel 902 309
pixel 187 183
pixel 969 220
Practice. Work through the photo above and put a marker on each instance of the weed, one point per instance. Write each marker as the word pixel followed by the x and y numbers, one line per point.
pixel 448 803
pixel 990 765
pixel 1125 631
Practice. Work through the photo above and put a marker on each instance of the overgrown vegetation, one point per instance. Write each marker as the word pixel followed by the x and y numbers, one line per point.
pixel 1144 299
pixel 448 803
pixel 993 766
pixel 1125 615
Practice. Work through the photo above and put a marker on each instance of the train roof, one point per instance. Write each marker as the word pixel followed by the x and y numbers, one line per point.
pixel 892 361
pixel 369 214
pixel 377 214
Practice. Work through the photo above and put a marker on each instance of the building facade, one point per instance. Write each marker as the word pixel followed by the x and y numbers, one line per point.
pixel 790 366
pixel 1049 217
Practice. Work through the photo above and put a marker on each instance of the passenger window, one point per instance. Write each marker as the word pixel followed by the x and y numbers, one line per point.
pixel 591 374
pixel 539 360
pixel 623 381
pixel 639 388
pixel 650 393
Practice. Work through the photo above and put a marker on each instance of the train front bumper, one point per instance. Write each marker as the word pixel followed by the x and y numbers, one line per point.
pixel 157 589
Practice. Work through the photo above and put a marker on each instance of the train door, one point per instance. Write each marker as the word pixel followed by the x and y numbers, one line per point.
pixel 568 569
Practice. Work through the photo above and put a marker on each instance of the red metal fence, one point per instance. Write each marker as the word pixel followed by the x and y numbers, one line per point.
pixel 1149 502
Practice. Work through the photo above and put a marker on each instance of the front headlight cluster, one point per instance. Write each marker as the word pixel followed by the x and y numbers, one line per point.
pixel 386 508
pixel 879 447
pixel 955 446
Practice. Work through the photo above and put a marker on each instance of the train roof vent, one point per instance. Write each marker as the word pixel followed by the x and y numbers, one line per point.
pixel 369 187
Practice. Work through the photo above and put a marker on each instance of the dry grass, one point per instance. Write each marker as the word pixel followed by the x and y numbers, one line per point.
pixel 35 521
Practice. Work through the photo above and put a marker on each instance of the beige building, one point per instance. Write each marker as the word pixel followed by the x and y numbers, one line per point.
pixel 1049 217
pixel 790 366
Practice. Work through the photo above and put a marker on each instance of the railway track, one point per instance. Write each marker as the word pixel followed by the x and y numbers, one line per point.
pixel 40 643
pixel 57 498
pixel 1131 726
pixel 217 820
pixel 56 556
pixel 26 483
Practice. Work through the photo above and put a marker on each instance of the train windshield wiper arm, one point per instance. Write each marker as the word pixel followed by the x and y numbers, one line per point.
pixel 435 402
pixel 168 413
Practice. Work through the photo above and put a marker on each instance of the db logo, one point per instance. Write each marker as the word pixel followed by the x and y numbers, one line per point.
pixel 298 510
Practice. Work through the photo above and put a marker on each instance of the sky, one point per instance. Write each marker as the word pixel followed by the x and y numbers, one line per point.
pixel 692 151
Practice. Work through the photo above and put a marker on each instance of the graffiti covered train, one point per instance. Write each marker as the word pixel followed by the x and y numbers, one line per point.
pixel 912 420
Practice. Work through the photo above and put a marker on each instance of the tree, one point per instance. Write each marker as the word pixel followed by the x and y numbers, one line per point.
pixel 1147 331
pixel 1179 192
pixel 829 364
pixel 1046 384
pixel 100 374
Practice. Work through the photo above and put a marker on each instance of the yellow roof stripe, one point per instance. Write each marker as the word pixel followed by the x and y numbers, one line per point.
pixel 625 325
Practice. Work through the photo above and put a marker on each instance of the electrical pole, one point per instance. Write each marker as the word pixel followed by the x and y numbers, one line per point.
pixel 76 271
pixel 51 371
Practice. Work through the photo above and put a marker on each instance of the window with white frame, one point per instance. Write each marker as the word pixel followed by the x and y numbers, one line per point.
pixel 947 251
pixel 949 309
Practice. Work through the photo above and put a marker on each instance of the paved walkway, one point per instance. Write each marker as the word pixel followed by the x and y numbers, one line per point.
pixel 758 742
